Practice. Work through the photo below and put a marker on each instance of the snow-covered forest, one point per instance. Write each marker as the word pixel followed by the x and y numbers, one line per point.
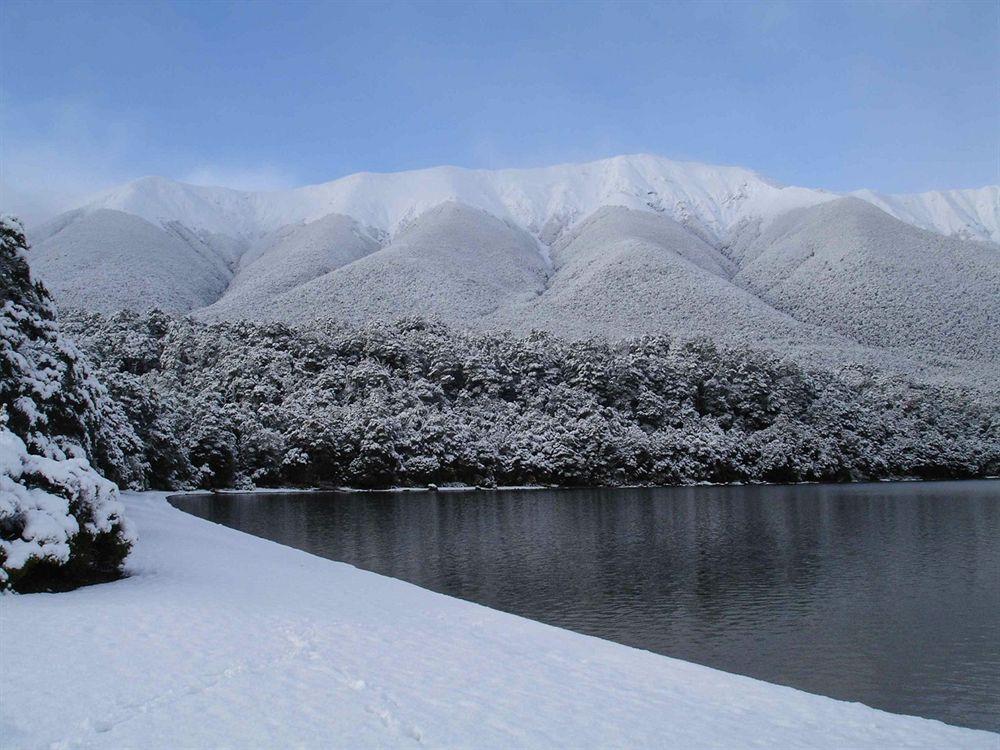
pixel 417 402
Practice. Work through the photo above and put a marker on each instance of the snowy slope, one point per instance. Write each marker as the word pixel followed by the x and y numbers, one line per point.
pixel 846 266
pixel 969 214
pixel 220 639
pixel 288 258
pixel 454 262
pixel 106 260
pixel 625 270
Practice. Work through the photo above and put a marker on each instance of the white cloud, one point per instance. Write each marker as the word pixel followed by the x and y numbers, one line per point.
pixel 38 185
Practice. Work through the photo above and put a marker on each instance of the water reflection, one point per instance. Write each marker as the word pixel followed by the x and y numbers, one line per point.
pixel 881 593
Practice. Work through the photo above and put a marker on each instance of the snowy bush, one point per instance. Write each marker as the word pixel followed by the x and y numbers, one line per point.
pixel 61 523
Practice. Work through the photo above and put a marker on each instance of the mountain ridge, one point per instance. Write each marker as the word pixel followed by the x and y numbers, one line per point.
pixel 543 200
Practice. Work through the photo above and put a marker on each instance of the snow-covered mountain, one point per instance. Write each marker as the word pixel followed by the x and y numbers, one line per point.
pixel 712 199
pixel 971 214
pixel 628 245
pixel 540 200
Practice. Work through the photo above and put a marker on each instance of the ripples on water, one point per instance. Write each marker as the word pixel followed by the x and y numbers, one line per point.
pixel 886 594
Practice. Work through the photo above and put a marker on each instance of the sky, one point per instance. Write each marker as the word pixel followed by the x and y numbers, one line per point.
pixel 894 96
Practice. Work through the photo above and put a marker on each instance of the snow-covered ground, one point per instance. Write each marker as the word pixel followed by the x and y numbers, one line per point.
pixel 220 639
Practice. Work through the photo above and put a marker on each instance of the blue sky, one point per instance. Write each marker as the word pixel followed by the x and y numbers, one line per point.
pixel 899 96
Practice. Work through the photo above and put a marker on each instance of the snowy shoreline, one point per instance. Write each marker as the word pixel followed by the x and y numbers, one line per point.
pixel 218 638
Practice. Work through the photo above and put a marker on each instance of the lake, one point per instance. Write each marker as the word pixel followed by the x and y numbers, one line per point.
pixel 887 593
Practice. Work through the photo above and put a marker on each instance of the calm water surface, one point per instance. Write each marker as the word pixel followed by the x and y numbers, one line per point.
pixel 887 594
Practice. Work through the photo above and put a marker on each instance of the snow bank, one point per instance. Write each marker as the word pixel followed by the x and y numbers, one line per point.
pixel 223 639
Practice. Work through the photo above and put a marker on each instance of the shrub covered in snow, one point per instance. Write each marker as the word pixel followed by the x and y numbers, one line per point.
pixel 61 523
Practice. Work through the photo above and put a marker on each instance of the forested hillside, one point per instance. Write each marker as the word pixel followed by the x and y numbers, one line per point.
pixel 417 402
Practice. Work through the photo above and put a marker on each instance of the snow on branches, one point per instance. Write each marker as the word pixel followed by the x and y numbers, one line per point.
pixel 61 523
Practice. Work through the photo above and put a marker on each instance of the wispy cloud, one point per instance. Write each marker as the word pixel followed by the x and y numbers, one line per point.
pixel 260 178
pixel 56 154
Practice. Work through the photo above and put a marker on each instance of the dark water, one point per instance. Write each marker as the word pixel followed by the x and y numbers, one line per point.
pixel 887 594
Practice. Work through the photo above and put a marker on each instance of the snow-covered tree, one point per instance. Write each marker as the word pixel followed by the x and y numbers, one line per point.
pixel 61 522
